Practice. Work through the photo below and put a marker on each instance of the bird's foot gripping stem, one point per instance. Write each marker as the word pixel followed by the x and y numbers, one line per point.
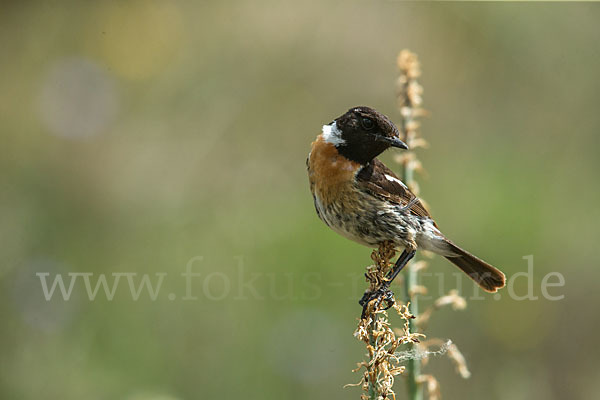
pixel 382 294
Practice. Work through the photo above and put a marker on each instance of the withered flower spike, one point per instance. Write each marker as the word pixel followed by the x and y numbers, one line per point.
pixel 384 353
pixel 375 330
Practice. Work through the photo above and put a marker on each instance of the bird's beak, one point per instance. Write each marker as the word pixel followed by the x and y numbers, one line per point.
pixel 392 141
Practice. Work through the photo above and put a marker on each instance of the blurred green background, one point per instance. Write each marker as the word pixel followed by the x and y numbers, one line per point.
pixel 140 137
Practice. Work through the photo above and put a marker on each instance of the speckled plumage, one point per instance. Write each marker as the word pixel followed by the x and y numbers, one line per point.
pixel 344 202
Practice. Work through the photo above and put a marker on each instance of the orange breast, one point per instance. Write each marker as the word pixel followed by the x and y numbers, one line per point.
pixel 330 173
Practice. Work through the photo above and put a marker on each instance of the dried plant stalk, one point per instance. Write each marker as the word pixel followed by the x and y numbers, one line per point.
pixel 374 330
pixel 383 360
pixel 409 104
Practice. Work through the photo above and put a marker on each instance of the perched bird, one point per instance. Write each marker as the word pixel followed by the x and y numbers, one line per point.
pixel 357 196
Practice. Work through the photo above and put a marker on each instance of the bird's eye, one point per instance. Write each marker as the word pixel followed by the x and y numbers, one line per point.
pixel 367 123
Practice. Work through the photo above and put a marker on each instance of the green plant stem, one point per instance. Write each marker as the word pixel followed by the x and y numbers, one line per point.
pixel 413 367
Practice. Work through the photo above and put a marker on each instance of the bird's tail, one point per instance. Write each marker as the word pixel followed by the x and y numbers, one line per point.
pixel 486 276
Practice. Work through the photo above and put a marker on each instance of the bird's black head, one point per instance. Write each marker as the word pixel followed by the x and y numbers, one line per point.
pixel 362 133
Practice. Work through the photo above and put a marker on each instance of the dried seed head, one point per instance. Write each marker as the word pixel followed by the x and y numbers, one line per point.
pixel 432 385
pixel 459 361
pixel 452 298
pixel 375 331
pixel 408 64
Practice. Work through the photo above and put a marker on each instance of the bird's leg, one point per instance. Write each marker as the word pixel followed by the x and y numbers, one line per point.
pixel 384 293
pixel 404 258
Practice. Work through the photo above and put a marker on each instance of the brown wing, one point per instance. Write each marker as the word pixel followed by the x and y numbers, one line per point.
pixel 373 179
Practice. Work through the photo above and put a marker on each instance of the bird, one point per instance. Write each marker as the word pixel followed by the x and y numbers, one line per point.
pixel 360 198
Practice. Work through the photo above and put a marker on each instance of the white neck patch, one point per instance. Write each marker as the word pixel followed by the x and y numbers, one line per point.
pixel 332 134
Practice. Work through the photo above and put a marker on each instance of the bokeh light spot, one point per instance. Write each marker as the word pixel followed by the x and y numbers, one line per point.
pixel 78 99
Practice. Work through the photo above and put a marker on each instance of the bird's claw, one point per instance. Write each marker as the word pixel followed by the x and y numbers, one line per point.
pixel 379 295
